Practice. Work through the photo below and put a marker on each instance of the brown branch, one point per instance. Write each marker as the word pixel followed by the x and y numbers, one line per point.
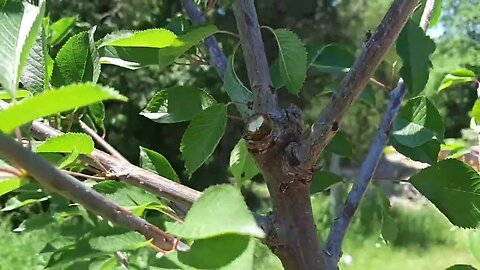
pixel 357 78
pixel 56 181
pixel 101 141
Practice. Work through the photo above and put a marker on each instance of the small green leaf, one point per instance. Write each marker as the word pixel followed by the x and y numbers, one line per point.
pixel 452 185
pixel 13 203
pixel 220 210
pixel 415 48
pixel 242 164
pixel 10 184
pixel 96 112
pixel 66 143
pixel 119 242
pixel 437 11
pixel 129 197
pixel 177 104
pixel 476 111
pixel 389 228
pixel 334 58
pixel 151 38
pixel 427 152
pixel 292 59
pixel 139 56
pixel 60 29
pixel 459 76
pixel 47 103
pixel 20 94
pixel 264 259
pixel 77 60
pixel 35 75
pixel 340 145
pixel 461 267
pixel 69 159
pixel 474 243
pixel 322 180
pixel 155 162
pixel 417 123
pixel 19 25
pixel 237 92
pixel 202 136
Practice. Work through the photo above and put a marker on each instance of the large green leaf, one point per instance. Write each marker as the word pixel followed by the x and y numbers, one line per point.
pixel 237 92
pixel 454 188
pixel 20 94
pixel 151 38
pixel 220 210
pixel 202 136
pixel 226 252
pixel 60 29
pixel 461 267
pixel 242 164
pixel 177 104
pixel 340 145
pixel 417 123
pixel 323 180
pixel 10 184
pixel 415 48
pixel 459 76
pixel 19 25
pixel 47 103
pixel 156 162
pixel 35 75
pixel 437 11
pixel 66 143
pixel 292 59
pixel 137 55
pixel 427 152
pixel 119 242
pixel 264 259
pixel 77 60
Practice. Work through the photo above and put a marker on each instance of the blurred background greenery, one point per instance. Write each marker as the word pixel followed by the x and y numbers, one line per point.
pixel 426 240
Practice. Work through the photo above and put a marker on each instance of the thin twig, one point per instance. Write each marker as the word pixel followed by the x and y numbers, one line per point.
pixel 86 176
pixel 378 83
pixel 57 181
pixel 322 132
pixel 102 142
pixel 333 246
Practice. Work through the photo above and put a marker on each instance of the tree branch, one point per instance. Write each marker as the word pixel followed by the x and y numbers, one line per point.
pixel 339 228
pixel 217 57
pixel 265 99
pixel 55 180
pixel 372 54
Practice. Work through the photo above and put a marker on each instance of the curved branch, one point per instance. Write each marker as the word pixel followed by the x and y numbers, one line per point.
pixel 322 132
pixel 333 246
pixel 67 186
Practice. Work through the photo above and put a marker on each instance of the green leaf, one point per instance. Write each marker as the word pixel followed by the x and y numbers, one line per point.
pixel 47 103
pixel 13 203
pixel 264 259
pixel 96 112
pixel 292 59
pixel 476 111
pixel 35 75
pixel 77 60
pixel 20 94
pixel 461 267
pixel 237 92
pixel 456 147
pixel 340 145
pixel 69 159
pixel 437 11
pixel 334 58
pixel 242 164
pixel 155 162
pixel 389 226
pixel 60 29
pixel 177 104
pixel 459 76
pixel 202 136
pixel 474 243
pixel 415 48
pixel 322 180
pixel 139 56
pixel 417 123
pixel 131 197
pixel 220 210
pixel 19 25
pixel 151 38
pixel 452 185
pixel 66 143
pixel 119 242
pixel 427 152
pixel 10 184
